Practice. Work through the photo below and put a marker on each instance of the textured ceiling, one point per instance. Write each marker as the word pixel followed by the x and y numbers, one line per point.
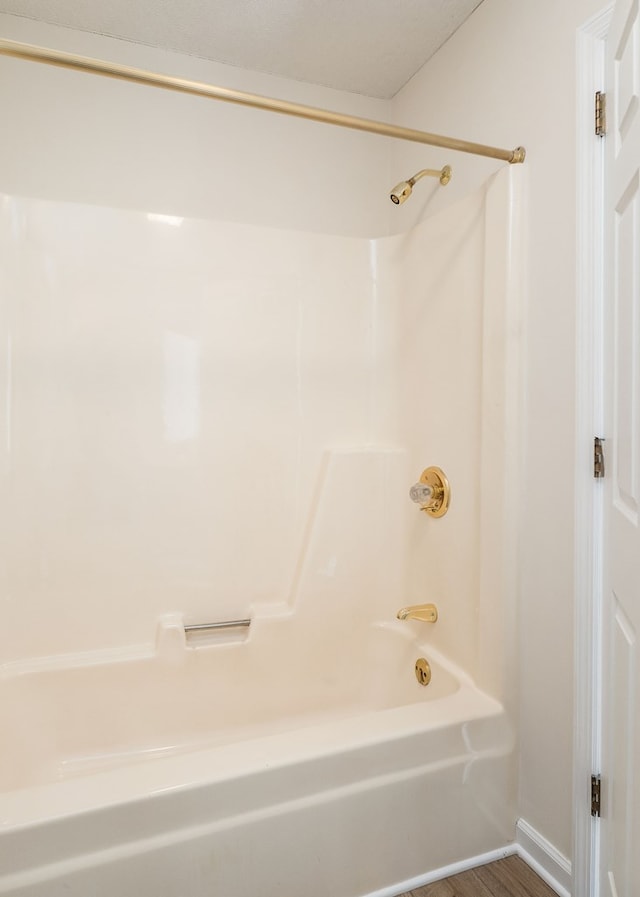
pixel 370 47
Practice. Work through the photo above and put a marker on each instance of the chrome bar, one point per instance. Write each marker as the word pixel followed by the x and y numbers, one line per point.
pixel 225 624
pixel 199 88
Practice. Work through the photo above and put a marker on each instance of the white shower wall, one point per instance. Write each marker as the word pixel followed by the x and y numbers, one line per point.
pixel 171 389
pixel 436 290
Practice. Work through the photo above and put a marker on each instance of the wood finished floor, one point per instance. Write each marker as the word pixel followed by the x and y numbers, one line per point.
pixel 510 877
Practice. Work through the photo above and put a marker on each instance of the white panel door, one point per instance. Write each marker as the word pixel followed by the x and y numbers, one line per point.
pixel 620 824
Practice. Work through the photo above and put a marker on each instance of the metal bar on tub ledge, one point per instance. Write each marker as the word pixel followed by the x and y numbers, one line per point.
pixel 223 624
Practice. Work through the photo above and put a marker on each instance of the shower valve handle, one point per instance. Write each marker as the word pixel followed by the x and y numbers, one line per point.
pixel 420 493
pixel 432 492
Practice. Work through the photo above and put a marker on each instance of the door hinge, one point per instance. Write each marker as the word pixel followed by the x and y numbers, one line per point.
pixel 595 795
pixel 601 114
pixel 598 457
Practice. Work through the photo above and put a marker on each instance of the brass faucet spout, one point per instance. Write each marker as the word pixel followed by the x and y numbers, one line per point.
pixel 427 613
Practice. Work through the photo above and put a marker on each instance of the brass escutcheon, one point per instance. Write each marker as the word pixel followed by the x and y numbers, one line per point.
pixel 423 671
pixel 439 502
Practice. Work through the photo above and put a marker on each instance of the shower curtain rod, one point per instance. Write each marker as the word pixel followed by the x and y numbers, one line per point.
pixel 199 88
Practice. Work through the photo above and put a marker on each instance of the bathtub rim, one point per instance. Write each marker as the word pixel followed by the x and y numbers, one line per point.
pixel 187 771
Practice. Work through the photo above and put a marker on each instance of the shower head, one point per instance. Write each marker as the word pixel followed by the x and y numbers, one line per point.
pixel 402 191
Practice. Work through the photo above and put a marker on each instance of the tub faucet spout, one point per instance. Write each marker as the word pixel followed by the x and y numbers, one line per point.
pixel 427 613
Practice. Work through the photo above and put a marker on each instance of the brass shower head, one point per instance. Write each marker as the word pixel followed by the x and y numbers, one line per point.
pixel 402 191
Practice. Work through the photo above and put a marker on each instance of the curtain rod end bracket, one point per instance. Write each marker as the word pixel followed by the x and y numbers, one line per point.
pixel 518 155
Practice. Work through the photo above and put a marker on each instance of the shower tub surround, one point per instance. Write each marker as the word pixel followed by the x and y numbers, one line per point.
pixel 208 422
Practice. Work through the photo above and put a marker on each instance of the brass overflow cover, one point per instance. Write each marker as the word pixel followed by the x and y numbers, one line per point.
pixel 423 671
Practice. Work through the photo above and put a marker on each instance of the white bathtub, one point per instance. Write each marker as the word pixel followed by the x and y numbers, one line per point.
pixel 218 770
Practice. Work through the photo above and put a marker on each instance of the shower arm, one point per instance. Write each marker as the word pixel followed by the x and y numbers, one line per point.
pixel 116 70
pixel 443 175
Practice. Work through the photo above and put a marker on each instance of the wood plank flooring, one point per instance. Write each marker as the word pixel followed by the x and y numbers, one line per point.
pixel 510 877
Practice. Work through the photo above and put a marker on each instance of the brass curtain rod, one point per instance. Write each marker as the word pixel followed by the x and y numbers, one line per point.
pixel 199 88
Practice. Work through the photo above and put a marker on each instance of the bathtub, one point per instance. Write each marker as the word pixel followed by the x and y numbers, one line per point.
pixel 209 769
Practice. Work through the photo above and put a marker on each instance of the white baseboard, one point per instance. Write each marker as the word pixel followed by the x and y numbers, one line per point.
pixel 544 858
pixel 446 872
pixel 552 867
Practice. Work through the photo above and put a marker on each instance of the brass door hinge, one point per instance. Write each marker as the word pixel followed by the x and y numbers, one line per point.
pixel 595 795
pixel 601 114
pixel 598 457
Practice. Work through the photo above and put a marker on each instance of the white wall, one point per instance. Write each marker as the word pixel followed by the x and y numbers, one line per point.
pixel 506 78
pixel 78 137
